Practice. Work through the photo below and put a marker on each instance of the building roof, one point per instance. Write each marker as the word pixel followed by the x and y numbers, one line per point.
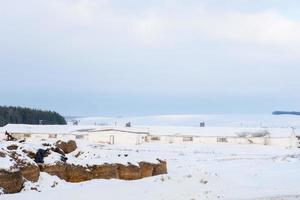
pixel 122 130
pixel 220 131
pixel 67 129
pixel 152 130
pixel 44 129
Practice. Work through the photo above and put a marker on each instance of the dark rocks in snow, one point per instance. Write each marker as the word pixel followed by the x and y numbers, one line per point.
pixel 24 169
pixel 2 154
pixel 30 154
pixel 58 150
pixel 67 147
pixel 12 147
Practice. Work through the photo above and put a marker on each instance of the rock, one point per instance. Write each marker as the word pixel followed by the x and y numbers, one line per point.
pixel 30 172
pixel 46 145
pixel 58 150
pixel 146 169
pixel 30 154
pixel 12 147
pixel 2 154
pixel 160 168
pixel 78 154
pixel 129 172
pixel 22 141
pixel 75 174
pixel 67 147
pixel 11 182
pixel 106 171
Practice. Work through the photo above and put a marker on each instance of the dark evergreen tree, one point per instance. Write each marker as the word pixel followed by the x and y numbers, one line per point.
pixel 19 115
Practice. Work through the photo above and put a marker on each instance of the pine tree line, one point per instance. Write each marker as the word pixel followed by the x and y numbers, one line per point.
pixel 19 115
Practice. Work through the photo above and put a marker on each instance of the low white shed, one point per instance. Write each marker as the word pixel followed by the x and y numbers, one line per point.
pixel 286 137
pixel 27 131
pixel 118 136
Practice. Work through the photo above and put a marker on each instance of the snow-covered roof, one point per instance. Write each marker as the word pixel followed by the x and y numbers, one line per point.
pixel 122 130
pixel 220 131
pixel 152 130
pixel 68 129
pixel 45 129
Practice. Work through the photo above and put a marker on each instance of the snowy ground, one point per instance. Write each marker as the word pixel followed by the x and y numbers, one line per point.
pixel 195 172
pixel 211 120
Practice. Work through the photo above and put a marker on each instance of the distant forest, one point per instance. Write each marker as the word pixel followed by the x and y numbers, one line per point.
pixel 285 113
pixel 19 115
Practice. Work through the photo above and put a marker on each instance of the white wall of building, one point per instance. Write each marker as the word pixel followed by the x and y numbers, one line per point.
pixel 276 141
pixel 116 137
pixel 165 135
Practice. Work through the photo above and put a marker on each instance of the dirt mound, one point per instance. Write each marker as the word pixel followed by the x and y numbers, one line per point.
pixel 23 168
pixel 160 168
pixel 67 172
pixel 106 171
pixel 30 172
pixel 11 182
pixel 146 169
pixel 67 147
pixel 76 173
pixel 58 169
pixel 129 172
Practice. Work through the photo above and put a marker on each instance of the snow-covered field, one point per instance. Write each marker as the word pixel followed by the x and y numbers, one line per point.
pixel 194 172
pixel 211 120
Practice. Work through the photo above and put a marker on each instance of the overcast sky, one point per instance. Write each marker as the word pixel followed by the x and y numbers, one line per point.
pixel 116 57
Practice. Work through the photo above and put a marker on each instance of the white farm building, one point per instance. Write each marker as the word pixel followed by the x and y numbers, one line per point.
pixel 97 134
pixel 286 137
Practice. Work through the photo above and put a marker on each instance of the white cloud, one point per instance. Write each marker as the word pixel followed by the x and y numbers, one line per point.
pixel 168 25
pixel 264 28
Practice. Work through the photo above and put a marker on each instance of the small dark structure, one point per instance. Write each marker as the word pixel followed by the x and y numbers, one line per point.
pixel 39 156
pixel 128 124
pixel 75 122
pixel 202 124
pixel 9 137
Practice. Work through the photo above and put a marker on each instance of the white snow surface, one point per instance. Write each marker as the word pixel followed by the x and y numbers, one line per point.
pixel 211 120
pixel 44 129
pixel 89 154
pixel 232 172
pixel 217 131
pixel 153 130
pixel 7 163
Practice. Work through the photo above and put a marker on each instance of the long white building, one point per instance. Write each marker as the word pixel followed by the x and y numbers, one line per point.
pixel 286 137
